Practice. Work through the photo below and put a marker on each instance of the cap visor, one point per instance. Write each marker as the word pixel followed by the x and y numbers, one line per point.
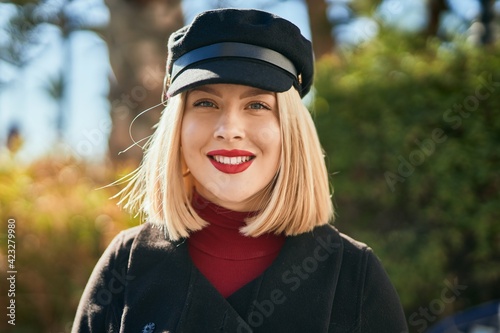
pixel 242 71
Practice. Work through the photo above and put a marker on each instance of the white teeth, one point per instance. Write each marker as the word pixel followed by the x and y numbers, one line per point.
pixel 231 160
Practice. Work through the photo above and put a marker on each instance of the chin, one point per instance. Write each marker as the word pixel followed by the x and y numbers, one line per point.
pixel 234 200
pixel 237 201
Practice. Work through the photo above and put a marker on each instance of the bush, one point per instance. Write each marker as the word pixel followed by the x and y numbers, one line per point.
pixel 63 224
pixel 411 132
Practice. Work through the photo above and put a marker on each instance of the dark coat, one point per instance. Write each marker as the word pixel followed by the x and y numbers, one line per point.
pixel 322 281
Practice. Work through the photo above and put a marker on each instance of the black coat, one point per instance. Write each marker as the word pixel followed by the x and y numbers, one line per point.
pixel 322 281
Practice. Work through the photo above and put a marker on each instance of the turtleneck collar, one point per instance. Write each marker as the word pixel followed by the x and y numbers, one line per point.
pixel 222 237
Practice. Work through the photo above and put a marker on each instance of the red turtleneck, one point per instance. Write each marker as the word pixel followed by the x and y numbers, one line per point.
pixel 228 259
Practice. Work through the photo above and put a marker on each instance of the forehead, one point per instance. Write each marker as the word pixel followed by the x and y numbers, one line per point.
pixel 222 89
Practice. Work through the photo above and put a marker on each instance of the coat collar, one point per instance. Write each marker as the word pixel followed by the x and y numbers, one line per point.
pixel 295 292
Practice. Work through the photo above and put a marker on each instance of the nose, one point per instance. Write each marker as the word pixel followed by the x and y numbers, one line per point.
pixel 230 126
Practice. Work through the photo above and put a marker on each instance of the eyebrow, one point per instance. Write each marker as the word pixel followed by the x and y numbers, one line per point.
pixel 208 90
pixel 255 92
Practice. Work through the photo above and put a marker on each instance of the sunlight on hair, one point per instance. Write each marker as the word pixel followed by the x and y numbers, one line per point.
pixel 136 143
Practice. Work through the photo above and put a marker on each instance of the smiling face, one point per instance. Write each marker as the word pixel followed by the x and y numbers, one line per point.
pixel 231 143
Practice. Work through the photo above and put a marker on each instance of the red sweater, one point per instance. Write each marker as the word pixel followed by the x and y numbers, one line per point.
pixel 225 257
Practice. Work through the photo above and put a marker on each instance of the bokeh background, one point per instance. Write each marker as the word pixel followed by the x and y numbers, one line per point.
pixel 407 106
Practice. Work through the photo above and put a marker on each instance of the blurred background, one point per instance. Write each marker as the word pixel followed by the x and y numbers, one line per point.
pixel 406 102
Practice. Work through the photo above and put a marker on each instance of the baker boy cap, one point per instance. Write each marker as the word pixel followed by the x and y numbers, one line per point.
pixel 239 46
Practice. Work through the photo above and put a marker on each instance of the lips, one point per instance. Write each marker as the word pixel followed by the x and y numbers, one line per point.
pixel 231 161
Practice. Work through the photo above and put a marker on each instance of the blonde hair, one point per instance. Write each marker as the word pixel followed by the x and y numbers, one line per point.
pixel 299 195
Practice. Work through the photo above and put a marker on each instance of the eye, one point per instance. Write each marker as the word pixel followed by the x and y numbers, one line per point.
pixel 259 106
pixel 205 104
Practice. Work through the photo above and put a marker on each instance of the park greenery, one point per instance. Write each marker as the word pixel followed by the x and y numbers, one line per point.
pixel 63 222
pixel 411 132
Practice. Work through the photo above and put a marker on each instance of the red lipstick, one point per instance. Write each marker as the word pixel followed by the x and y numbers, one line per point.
pixel 230 168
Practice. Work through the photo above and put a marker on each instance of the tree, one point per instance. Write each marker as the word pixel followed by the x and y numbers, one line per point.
pixel 137 38
pixel 435 8
pixel 26 34
pixel 487 16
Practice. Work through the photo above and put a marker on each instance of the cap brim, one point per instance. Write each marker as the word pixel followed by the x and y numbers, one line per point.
pixel 242 71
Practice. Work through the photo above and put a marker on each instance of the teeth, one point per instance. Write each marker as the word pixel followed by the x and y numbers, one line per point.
pixel 231 160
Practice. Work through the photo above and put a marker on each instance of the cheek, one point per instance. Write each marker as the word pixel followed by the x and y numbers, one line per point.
pixel 190 132
pixel 185 134
pixel 188 141
pixel 268 136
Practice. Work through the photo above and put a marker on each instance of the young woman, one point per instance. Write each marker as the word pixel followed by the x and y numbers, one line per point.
pixel 235 191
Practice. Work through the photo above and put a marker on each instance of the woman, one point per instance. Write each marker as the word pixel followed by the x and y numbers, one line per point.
pixel 235 190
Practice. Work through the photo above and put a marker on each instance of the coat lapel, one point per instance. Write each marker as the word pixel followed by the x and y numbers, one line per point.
pixel 166 289
pixel 297 291
pixel 206 310
pixel 158 283
pixel 294 294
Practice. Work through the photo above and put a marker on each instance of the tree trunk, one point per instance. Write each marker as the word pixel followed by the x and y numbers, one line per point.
pixel 487 15
pixel 323 42
pixel 137 40
pixel 435 9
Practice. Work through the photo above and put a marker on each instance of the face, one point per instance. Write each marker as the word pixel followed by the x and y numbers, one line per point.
pixel 231 143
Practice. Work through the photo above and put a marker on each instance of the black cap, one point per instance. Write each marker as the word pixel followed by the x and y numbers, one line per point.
pixel 239 46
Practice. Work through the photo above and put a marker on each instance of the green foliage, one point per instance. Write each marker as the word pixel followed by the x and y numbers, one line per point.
pixel 63 224
pixel 412 135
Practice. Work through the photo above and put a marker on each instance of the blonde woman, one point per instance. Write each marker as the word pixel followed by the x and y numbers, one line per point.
pixel 235 193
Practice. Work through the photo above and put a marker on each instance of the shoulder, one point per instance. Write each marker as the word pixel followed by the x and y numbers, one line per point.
pixel 358 264
pixel 129 235
pixel 356 255
pixel 357 251
pixel 348 244
pixel 365 299
pixel 146 236
pixel 352 257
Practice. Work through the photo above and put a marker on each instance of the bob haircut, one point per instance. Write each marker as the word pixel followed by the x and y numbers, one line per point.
pixel 299 199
